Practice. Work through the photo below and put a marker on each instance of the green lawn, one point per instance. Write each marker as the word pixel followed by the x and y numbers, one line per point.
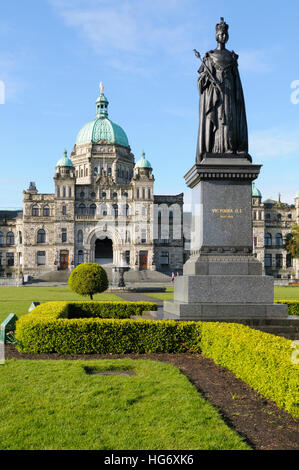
pixel 280 293
pixel 56 405
pixel 286 293
pixel 18 299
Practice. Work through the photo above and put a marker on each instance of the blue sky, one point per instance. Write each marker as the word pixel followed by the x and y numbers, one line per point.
pixel 54 53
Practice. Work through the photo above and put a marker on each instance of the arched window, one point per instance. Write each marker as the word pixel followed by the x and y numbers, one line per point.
pixel 103 195
pixel 92 209
pixel 80 256
pixel 170 219
pixel 35 211
pixel 46 211
pixel 268 239
pixel 20 238
pixel 64 191
pixel 70 191
pixel 81 209
pixel 10 238
pixel 95 171
pixel 82 195
pixel 127 210
pixel 115 210
pixel 93 195
pixel 128 236
pixel 103 209
pixel 63 210
pixel 41 236
pixel 1 239
pixel 80 236
pixel 278 239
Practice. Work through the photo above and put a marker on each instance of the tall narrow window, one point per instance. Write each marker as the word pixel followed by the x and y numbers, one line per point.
pixel 35 211
pixel 278 240
pixel 80 236
pixel 92 209
pixel 63 210
pixel 115 210
pixel 1 239
pixel 81 209
pixel 41 258
pixel 268 239
pixel 80 256
pixel 10 238
pixel 64 191
pixel 10 259
pixel 41 236
pixel 46 211
pixel 70 191
pixel 63 235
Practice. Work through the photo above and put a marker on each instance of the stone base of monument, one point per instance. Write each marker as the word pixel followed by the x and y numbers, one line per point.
pixel 228 287
pixel 222 279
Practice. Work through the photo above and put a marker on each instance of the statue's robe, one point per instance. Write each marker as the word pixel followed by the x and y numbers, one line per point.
pixel 222 115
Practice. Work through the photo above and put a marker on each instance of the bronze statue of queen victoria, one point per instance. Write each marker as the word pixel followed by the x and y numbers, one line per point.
pixel 222 116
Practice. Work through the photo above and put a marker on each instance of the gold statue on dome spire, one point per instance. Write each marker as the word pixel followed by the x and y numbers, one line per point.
pixel 101 87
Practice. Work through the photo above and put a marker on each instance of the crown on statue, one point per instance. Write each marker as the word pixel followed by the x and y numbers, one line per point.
pixel 222 26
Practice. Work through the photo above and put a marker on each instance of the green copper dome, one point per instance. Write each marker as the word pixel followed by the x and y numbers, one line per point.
pixel 102 128
pixel 255 192
pixel 64 161
pixel 143 162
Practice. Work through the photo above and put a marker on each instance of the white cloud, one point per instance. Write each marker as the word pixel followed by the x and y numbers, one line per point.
pixel 136 29
pixel 273 143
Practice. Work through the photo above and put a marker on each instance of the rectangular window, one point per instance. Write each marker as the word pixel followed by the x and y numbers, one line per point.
pixel 143 235
pixel 268 260
pixel 63 210
pixel 278 260
pixel 41 258
pixel 1 259
pixel 127 254
pixel 63 235
pixel 10 259
pixel 149 193
pixel 164 258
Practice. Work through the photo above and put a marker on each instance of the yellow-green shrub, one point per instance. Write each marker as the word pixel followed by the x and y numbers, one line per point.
pixel 260 359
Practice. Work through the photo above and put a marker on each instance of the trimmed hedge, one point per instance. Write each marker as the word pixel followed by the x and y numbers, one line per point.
pixel 260 359
pixel 293 306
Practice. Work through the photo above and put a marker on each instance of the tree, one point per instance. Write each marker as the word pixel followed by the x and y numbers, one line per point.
pixel 292 244
pixel 88 279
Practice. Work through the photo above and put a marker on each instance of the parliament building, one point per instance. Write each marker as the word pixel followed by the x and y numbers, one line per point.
pixel 104 210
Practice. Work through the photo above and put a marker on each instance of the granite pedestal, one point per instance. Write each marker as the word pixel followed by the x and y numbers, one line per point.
pixel 222 279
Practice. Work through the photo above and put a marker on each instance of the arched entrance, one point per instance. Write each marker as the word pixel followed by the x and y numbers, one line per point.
pixel 103 251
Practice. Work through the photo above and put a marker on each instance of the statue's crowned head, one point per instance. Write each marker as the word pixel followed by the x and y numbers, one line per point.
pixel 222 31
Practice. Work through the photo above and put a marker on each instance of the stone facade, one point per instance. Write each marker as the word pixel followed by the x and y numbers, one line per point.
pixel 272 222
pixel 103 210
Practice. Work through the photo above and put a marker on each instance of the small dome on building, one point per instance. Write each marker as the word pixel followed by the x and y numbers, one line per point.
pixel 102 128
pixel 143 162
pixel 64 161
pixel 255 192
